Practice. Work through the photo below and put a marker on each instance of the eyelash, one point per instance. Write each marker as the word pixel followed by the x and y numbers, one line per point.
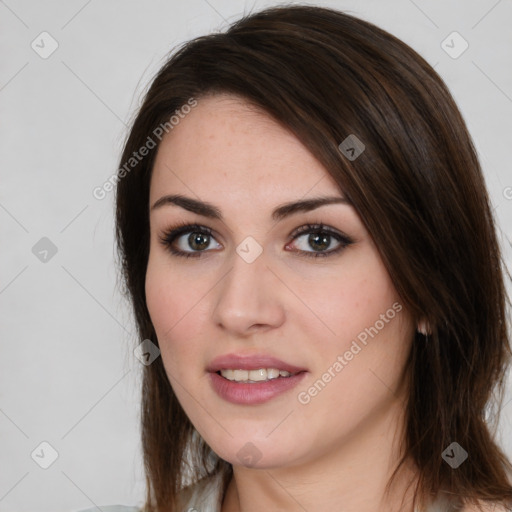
pixel 170 235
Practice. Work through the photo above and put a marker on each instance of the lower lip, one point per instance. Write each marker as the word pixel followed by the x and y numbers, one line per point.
pixel 253 393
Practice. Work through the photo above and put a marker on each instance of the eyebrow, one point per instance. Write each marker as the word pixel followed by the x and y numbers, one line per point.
pixel 212 212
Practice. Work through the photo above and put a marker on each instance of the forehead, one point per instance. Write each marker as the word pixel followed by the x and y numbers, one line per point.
pixel 229 149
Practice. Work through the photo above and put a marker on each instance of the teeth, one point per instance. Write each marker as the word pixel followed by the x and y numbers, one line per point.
pixel 254 375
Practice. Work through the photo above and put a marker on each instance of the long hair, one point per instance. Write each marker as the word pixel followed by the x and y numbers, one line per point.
pixel 419 190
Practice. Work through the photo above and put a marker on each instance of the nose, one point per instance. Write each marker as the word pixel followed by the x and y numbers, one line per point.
pixel 249 298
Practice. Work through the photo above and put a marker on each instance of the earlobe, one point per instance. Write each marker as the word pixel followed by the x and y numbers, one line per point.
pixel 423 327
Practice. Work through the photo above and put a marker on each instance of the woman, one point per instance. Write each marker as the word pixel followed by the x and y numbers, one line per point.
pixel 305 234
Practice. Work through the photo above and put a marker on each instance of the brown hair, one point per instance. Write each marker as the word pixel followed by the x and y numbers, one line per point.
pixel 419 190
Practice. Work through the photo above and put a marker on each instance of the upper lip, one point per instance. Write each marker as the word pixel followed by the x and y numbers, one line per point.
pixel 250 362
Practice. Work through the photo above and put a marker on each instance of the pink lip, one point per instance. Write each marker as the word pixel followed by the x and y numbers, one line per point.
pixel 250 362
pixel 255 393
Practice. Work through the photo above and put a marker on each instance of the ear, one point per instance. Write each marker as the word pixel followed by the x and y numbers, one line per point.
pixel 423 327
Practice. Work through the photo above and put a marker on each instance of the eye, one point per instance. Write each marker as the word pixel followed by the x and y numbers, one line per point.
pixel 320 238
pixel 191 240
pixel 198 239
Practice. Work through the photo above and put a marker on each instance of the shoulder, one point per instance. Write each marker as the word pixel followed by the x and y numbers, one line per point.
pixel 485 507
pixel 205 494
pixel 112 508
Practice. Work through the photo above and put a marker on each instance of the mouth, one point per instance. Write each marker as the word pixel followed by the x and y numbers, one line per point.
pixel 260 367
pixel 252 379
pixel 248 392
pixel 255 376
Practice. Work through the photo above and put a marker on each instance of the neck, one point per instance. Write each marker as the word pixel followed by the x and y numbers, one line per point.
pixel 352 476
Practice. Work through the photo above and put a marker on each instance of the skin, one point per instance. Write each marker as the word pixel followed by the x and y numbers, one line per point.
pixel 337 451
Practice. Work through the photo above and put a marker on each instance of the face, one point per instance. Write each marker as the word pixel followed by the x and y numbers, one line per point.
pixel 241 281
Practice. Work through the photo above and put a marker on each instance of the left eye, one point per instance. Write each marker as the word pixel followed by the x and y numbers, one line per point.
pixel 320 239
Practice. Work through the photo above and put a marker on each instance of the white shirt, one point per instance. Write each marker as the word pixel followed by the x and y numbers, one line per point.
pixel 206 496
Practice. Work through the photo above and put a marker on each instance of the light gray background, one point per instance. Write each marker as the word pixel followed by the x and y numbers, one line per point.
pixel 67 372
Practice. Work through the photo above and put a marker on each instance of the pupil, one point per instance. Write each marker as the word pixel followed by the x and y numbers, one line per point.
pixel 198 241
pixel 324 240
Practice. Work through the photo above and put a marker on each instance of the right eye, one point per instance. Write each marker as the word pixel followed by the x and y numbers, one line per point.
pixel 198 239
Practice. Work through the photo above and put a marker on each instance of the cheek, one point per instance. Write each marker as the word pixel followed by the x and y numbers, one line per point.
pixel 343 302
pixel 176 311
pixel 359 317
